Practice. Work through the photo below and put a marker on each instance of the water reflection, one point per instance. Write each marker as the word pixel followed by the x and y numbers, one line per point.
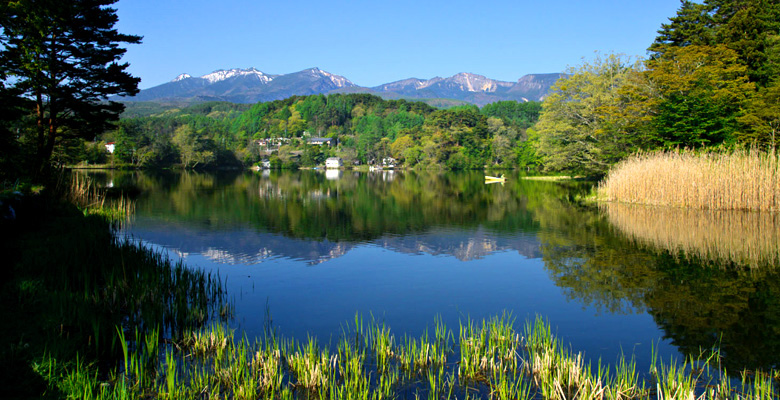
pixel 419 244
pixel 700 300
pixel 748 239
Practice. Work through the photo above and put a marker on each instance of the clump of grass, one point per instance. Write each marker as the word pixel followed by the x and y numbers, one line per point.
pixel 488 349
pixel 81 191
pixel 311 367
pixel 737 180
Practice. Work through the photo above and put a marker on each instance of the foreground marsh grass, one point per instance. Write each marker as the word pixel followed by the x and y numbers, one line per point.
pixel 739 237
pixel 739 180
pixel 70 281
pixel 82 192
pixel 499 363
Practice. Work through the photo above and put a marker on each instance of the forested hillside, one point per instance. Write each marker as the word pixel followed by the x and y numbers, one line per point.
pixel 364 129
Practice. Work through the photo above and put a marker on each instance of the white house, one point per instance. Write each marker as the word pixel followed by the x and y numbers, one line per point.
pixel 319 141
pixel 265 164
pixel 333 162
pixel 110 147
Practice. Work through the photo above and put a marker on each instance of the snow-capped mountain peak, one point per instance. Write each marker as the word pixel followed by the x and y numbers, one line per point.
pixel 338 80
pixel 221 75
pixel 181 77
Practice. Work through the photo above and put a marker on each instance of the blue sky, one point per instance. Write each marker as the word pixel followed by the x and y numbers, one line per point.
pixel 375 42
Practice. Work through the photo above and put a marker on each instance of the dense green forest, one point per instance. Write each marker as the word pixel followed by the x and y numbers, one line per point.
pixel 364 129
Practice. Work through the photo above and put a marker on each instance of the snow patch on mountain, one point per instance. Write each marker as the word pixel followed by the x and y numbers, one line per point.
pixel 221 75
pixel 429 82
pixel 182 77
pixel 337 80
pixel 477 83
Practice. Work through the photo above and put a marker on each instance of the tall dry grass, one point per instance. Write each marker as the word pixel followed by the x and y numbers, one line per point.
pixel 81 191
pixel 744 238
pixel 739 180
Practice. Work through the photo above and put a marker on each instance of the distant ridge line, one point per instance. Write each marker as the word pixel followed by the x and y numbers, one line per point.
pixel 251 85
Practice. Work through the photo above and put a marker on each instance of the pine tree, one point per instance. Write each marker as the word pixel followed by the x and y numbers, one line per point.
pixel 64 57
pixel 751 28
pixel 693 25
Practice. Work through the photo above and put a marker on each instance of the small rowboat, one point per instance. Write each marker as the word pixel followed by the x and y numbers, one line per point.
pixel 495 179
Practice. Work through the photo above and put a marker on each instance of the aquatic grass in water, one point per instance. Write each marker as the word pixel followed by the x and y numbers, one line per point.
pixel 266 369
pixel 82 192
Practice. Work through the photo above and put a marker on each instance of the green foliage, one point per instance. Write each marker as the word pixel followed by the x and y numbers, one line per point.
pixel 366 129
pixel 584 126
pixel 194 147
pixel 710 81
pixel 748 27
pixel 63 57
pixel 521 115
pixel 700 91
pixel 693 25
pixel 761 121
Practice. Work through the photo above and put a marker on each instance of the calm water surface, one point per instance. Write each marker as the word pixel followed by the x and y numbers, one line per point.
pixel 316 247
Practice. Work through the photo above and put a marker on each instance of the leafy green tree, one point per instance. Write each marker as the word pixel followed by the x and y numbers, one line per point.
pixel 584 126
pixel 520 115
pixel 503 141
pixel 700 91
pixel 400 145
pixel 312 156
pixel 194 148
pixel 95 153
pixel 528 159
pixel 761 121
pixel 751 28
pixel 63 55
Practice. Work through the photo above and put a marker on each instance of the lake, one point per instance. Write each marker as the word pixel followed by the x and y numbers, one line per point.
pixel 309 250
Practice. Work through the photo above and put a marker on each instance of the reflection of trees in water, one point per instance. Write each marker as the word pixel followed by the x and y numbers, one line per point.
pixel 750 239
pixel 589 262
pixel 356 207
pixel 698 306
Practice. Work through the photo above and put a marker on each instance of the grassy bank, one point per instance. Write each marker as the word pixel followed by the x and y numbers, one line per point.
pixel 739 180
pixel 489 359
pixel 70 283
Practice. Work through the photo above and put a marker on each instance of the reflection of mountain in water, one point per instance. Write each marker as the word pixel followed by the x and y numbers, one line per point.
pixel 236 246
pixel 246 246
pixel 461 244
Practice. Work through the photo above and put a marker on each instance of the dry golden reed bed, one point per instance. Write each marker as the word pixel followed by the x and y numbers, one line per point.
pixel 744 238
pixel 739 180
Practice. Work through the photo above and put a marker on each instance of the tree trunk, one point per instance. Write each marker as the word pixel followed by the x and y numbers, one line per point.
pixel 40 133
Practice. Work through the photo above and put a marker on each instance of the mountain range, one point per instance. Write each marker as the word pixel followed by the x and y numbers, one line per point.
pixel 252 86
